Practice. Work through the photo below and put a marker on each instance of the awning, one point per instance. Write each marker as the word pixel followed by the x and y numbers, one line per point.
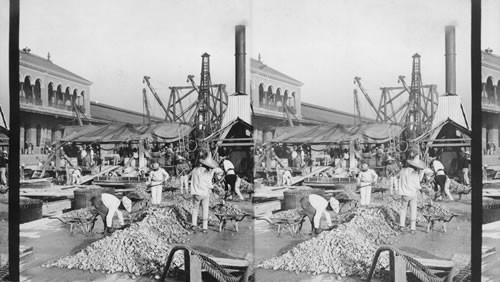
pixel 119 132
pixel 236 133
pixel 438 137
pixel 334 133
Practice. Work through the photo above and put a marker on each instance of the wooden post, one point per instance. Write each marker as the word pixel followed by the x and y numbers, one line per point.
pixel 141 151
pixel 193 267
pixel 398 273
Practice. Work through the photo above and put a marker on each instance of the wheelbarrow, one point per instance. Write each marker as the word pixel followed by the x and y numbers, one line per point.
pixel 294 225
pixel 86 224
pixel 224 218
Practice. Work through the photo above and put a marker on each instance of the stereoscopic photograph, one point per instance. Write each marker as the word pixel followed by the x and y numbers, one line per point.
pixel 248 140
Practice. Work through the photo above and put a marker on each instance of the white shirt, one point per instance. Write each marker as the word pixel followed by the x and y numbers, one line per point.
pixel 368 176
pixel 228 167
pixel 201 181
pixel 438 167
pixel 294 155
pixel 317 202
pixel 158 176
pixel 409 181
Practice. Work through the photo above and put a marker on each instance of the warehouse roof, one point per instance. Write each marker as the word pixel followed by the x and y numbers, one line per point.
pixel 35 61
pixel 114 114
pixel 311 112
pixel 257 66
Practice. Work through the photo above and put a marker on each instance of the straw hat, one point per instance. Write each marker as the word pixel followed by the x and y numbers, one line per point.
pixel 364 166
pixel 417 163
pixel 390 159
pixel 467 153
pixel 180 158
pixel 155 166
pixel 209 162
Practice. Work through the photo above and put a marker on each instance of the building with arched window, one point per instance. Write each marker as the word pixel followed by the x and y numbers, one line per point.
pixel 49 97
pixel 277 97
pixel 490 103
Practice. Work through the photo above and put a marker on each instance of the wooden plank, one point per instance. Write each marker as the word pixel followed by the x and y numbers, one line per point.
pixel 436 263
pixel 320 169
pixel 236 263
pixel 398 269
pixel 55 207
pixel 68 194
pixel 88 178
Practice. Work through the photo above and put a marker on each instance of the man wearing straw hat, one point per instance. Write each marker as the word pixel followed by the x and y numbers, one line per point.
pixel 367 177
pixel 157 177
pixel 409 186
pixel 392 169
pixel 201 184
pixel 182 170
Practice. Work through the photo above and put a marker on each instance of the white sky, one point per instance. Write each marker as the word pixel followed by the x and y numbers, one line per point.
pixel 322 43
pixel 325 44
pixel 490 25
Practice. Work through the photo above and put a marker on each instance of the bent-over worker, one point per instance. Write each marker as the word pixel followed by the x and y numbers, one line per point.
pixel 230 179
pixel 315 207
pixel 157 177
pixel 367 177
pixel 107 206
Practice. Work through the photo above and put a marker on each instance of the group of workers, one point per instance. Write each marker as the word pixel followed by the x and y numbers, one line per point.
pixel 403 181
pixel 202 176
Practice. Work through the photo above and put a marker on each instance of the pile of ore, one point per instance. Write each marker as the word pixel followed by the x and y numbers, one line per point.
pixel 80 213
pixel 141 249
pixel 456 187
pixel 347 250
pixel 288 214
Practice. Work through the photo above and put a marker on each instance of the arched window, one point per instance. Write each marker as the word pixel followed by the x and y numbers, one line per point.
pixel 490 90
pixel 270 96
pixel 28 91
pixel 59 95
pixel 67 98
pixel 278 101
pixel 82 101
pixel 38 92
pixel 51 94
pixel 74 97
pixel 262 95
pixel 497 94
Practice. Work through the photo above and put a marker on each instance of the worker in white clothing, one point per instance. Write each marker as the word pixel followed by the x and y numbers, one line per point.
pixel 230 179
pixel 315 207
pixel 367 177
pixel 157 177
pixel 287 177
pixel 107 206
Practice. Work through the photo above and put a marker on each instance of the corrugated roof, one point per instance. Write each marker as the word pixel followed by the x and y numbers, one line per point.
pixel 238 106
pixel 450 107
pixel 115 114
pixel 37 61
pixel 256 65
pixel 321 114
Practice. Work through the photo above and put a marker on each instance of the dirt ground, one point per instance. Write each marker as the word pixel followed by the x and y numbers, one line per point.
pixel 453 245
pixel 51 240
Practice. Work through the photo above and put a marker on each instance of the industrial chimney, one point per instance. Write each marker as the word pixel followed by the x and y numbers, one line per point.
pixel 451 77
pixel 240 57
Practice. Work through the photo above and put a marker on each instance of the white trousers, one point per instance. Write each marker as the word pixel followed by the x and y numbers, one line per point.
pixel 204 201
pixel 412 201
pixel 111 212
pixel 393 184
pixel 156 194
pixel 366 194
pixel 184 183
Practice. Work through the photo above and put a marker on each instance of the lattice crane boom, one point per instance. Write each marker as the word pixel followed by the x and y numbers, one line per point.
pixel 153 91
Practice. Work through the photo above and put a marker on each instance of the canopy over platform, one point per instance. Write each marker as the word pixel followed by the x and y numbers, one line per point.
pixel 236 133
pixel 124 132
pixel 447 133
pixel 334 133
pixel 4 136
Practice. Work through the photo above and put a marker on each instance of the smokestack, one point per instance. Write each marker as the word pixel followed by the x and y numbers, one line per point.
pixel 451 76
pixel 240 57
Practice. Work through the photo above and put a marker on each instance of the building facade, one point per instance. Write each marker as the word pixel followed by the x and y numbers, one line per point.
pixel 277 98
pixel 50 96
pixel 490 102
